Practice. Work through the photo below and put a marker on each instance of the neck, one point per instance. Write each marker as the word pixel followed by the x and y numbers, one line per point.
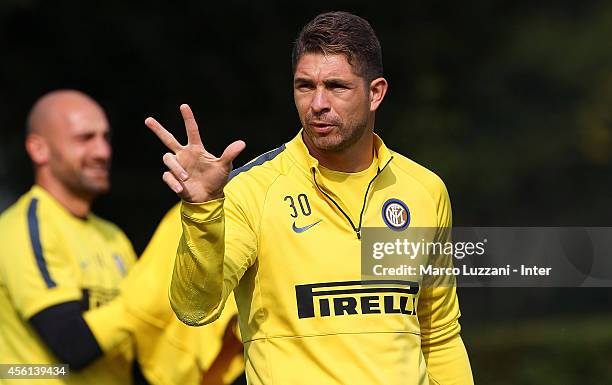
pixel 77 205
pixel 357 157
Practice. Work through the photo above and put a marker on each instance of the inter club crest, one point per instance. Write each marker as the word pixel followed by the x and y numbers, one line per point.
pixel 396 215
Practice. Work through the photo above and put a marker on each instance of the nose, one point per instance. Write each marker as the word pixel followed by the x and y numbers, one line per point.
pixel 320 101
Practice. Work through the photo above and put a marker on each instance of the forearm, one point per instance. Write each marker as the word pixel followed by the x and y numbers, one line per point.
pixel 197 286
pixel 448 362
pixel 67 335
pixel 78 338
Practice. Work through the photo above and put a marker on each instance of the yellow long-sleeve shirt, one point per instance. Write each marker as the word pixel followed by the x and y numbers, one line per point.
pixel 287 245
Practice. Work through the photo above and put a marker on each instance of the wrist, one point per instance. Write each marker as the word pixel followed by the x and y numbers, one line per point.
pixel 207 197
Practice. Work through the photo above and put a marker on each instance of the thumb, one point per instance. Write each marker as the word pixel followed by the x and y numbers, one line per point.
pixel 232 151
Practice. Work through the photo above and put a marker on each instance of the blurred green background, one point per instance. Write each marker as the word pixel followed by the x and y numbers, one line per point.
pixel 508 101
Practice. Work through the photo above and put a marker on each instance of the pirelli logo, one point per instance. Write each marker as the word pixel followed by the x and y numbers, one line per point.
pixel 356 297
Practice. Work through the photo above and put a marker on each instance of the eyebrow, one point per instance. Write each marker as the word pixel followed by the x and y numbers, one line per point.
pixel 336 81
pixel 327 82
pixel 301 80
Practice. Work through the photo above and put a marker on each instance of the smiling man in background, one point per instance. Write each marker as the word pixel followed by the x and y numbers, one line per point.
pixel 61 265
pixel 63 296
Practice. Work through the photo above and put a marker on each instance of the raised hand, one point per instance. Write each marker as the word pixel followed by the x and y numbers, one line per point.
pixel 194 174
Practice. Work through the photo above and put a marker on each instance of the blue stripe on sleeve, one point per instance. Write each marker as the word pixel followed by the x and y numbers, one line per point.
pixel 259 161
pixel 36 245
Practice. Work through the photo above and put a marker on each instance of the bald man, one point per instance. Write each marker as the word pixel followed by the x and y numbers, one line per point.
pixel 61 265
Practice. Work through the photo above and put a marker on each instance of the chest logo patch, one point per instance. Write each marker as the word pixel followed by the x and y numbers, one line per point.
pixel 396 215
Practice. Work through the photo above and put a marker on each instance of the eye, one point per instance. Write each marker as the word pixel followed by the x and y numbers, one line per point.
pixel 337 86
pixel 303 86
pixel 85 137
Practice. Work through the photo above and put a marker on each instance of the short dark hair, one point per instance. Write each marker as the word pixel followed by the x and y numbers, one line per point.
pixel 342 33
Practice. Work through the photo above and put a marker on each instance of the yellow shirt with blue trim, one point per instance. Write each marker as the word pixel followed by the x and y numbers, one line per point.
pixel 49 256
pixel 285 244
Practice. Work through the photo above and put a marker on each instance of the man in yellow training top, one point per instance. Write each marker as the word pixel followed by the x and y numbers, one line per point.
pixel 61 265
pixel 64 297
pixel 284 233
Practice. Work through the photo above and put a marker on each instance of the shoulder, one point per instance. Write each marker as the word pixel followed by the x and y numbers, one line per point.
pixel 169 228
pixel 172 216
pixel 16 216
pixel 17 209
pixel 415 172
pixel 260 173
pixel 21 234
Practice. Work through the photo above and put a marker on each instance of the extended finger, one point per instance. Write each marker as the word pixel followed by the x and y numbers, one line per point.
pixel 193 134
pixel 167 138
pixel 175 167
pixel 232 151
pixel 171 181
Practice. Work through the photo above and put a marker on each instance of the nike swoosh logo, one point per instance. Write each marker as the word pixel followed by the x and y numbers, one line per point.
pixel 302 229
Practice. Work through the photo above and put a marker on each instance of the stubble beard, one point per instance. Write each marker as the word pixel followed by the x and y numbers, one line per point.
pixel 341 137
pixel 82 185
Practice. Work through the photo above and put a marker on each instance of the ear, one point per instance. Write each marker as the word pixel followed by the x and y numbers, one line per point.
pixel 38 149
pixel 378 89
